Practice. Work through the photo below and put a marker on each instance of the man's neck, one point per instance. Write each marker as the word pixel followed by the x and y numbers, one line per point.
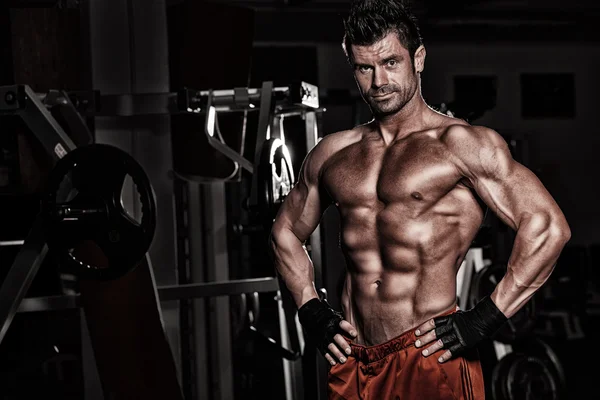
pixel 406 121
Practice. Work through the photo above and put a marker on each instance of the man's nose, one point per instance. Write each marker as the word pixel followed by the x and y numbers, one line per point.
pixel 379 78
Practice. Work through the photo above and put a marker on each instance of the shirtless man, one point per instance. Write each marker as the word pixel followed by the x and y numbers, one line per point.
pixel 405 185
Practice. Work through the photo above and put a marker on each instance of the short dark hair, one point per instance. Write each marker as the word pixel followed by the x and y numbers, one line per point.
pixel 371 20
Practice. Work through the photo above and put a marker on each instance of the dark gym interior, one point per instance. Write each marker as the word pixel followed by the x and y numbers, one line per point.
pixel 188 94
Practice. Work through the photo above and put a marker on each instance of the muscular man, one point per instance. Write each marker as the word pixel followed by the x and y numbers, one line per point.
pixel 406 186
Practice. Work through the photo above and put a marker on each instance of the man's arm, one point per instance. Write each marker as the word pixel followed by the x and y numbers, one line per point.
pixel 296 220
pixel 521 201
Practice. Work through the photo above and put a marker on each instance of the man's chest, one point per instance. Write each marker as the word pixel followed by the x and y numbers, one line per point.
pixel 418 172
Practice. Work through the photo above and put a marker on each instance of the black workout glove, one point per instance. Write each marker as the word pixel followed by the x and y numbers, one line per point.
pixel 464 330
pixel 321 323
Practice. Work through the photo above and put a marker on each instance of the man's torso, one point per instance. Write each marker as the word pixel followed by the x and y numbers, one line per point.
pixel 407 220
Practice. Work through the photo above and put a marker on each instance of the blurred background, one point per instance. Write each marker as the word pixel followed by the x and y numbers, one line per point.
pixel 528 69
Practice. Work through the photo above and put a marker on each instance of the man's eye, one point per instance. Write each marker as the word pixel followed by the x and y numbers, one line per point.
pixel 364 69
pixel 392 63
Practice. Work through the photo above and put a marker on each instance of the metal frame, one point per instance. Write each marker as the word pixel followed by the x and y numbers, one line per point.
pixel 316 252
pixel 165 293
pixel 186 100
pixel 21 100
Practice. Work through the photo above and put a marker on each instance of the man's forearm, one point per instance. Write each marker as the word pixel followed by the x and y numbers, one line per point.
pixel 537 246
pixel 293 265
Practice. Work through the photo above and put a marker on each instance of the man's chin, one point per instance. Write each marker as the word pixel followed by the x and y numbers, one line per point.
pixel 379 108
pixel 383 112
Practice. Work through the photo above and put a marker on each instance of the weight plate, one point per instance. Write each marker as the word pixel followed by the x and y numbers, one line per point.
pixel 83 202
pixel 499 384
pixel 529 378
pixel 537 347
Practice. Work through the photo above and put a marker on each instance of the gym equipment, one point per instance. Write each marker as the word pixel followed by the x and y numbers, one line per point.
pixel 22 101
pixel 94 210
pixel 531 371
pixel 276 177
pixel 271 103
pixel 525 367
pixel 519 324
pixel 262 342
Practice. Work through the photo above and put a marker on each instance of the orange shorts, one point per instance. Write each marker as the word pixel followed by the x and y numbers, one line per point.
pixel 397 370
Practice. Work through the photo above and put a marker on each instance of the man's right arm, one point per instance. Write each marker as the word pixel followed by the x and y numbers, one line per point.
pixel 297 218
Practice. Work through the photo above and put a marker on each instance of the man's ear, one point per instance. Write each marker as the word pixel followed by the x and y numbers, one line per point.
pixel 420 54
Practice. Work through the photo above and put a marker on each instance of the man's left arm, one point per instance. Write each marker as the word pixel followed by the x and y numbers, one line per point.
pixel 521 201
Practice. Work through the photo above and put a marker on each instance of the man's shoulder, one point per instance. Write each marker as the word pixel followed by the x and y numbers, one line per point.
pixel 337 141
pixel 475 148
pixel 462 136
pixel 326 148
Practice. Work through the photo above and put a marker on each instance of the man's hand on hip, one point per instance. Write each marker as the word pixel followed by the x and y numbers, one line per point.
pixel 326 328
pixel 460 331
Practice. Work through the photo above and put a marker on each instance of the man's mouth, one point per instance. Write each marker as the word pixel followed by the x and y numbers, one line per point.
pixel 382 96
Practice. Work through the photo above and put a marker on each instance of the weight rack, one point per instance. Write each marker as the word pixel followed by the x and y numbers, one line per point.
pixel 301 99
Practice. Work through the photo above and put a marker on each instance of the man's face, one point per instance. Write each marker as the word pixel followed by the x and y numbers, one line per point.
pixel 385 74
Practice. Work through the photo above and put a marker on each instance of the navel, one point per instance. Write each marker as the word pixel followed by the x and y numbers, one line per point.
pixel 417 195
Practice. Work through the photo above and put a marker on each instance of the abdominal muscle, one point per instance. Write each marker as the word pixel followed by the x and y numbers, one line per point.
pixel 391 288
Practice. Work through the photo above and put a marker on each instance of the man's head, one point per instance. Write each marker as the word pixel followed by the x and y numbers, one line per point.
pixel 384 47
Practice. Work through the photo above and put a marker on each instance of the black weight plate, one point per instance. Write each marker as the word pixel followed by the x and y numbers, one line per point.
pixel 537 347
pixel 521 323
pixel 499 382
pixel 96 174
pixel 529 378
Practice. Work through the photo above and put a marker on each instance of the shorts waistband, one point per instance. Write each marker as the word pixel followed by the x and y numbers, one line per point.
pixel 369 354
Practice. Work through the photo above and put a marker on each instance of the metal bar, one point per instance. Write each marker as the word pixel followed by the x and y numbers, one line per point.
pixel 45 128
pixel 292 369
pixel 77 125
pixel 217 268
pixel 187 340
pixel 211 129
pixel 216 289
pixel 264 121
pixel 199 309
pixel 49 303
pixel 231 154
pixel 316 255
pixel 21 274
pixel 134 104
pixel 165 293
pixel 8 243
pixel 129 104
pixel 254 94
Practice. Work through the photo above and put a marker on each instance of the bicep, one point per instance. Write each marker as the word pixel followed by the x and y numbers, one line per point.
pixel 303 207
pixel 301 211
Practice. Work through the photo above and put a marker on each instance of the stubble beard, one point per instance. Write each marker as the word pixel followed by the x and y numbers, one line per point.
pixel 394 103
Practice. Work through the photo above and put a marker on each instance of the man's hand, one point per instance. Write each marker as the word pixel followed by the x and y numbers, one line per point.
pixel 325 327
pixel 461 330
